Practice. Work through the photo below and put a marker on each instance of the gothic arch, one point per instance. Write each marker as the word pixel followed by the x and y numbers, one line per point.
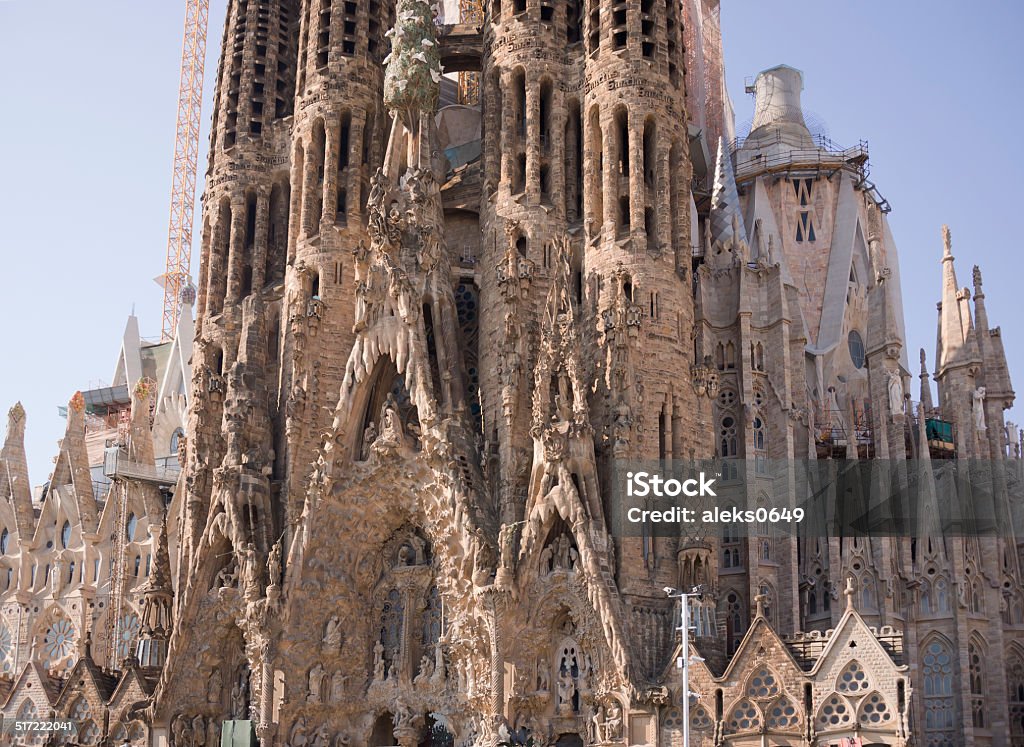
pixel 834 713
pixel 743 715
pixel 874 711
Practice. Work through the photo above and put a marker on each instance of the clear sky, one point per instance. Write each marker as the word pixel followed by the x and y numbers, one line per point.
pixel 87 128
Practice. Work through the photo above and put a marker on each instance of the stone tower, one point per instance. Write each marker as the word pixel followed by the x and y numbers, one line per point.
pixel 428 340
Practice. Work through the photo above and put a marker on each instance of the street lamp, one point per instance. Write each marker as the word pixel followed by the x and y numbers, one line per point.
pixel 685 660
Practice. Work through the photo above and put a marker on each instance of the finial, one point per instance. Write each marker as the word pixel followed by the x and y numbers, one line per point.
pixel 977 282
pixel 759 602
pixel 77 402
pixel 924 363
pixel 17 413
pixel 88 644
pixel 947 243
pixel 848 591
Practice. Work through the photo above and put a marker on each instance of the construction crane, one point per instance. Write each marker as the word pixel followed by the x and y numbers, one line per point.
pixel 186 152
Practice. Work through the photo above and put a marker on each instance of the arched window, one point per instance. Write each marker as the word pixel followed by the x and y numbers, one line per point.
pixel 138 564
pixel 1015 693
pixel 176 440
pixel 977 683
pixel 735 620
pixel 5 541
pixel 65 534
pixel 130 526
pixel 856 345
pixel 937 677
pixel 728 444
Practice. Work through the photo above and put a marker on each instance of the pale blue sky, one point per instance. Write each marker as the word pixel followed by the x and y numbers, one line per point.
pixel 88 124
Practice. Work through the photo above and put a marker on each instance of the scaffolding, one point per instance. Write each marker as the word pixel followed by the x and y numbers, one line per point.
pixel 835 438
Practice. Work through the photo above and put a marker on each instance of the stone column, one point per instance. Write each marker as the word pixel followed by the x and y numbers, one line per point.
pixel 637 191
pixel 610 177
pixel 332 129
pixel 236 248
pixel 356 133
pixel 259 255
pixel 296 181
pixel 533 147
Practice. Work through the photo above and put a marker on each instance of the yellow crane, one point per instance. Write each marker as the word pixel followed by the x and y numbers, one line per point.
pixel 186 152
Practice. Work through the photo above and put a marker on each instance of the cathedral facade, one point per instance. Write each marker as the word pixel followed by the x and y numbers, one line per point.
pixel 427 336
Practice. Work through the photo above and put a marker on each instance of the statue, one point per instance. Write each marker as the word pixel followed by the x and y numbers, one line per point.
pixel 198 731
pixel 214 687
pixel 978 408
pixel 506 543
pixel 298 736
pixel 390 423
pixel 895 387
pixel 322 737
pixel 369 436
pixel 316 681
pixel 274 564
pixel 566 692
pixel 598 722
pixel 240 695
pixel 337 686
pixel 613 722
pixel 181 732
pixel 333 635
pixel 378 661
pixel 426 669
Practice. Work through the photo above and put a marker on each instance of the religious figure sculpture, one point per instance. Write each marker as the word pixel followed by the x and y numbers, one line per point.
pixel 333 635
pixel 566 692
pixel 978 408
pixel 895 387
pixel 316 681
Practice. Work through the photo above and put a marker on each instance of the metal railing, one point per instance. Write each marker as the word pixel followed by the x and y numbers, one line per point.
pixel 117 465
pixel 825 154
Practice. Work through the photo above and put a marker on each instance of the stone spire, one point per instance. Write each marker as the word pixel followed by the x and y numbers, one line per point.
pixel 926 387
pixel 14 471
pixel 156 607
pixel 73 464
pixel 412 79
pixel 956 339
pixel 727 231
pixel 990 346
pixel 140 439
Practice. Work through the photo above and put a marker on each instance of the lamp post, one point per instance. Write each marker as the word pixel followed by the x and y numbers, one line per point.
pixel 684 660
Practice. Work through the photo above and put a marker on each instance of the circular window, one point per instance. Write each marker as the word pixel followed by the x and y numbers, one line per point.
pixel 856 345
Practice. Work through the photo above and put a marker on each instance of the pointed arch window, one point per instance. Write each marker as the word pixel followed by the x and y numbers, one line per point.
pixel 976 677
pixel 805 215
pixel 728 442
pixel 937 671
pixel 5 541
pixel 65 534
pixel 1015 693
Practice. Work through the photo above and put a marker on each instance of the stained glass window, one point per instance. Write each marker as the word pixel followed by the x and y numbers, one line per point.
pixel 128 633
pixel 59 643
pixel 939 708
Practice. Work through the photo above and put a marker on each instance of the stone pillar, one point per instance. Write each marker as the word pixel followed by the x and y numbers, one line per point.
pixel 236 248
pixel 259 255
pixel 332 129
